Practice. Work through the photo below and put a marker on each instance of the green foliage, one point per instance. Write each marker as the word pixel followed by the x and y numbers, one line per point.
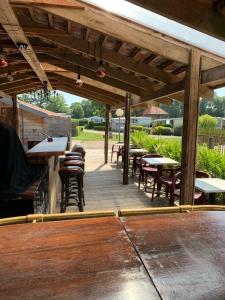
pixel 77 110
pixel 90 125
pixel 208 160
pixel 83 122
pixel 99 127
pixel 175 110
pixel 93 108
pixel 215 107
pixel 162 130
pixel 212 132
pixel 207 122
pixel 178 131
pixel 164 125
pixel 136 128
pixel 55 103
pixel 77 130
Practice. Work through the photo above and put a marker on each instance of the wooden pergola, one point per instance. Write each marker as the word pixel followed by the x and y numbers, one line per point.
pixel 142 65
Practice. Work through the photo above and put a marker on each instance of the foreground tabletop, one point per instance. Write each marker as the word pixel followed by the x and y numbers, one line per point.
pixel 80 259
pixel 183 253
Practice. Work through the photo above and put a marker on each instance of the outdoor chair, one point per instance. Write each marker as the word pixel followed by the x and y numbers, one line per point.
pixel 199 197
pixel 115 149
pixel 164 177
pixel 146 170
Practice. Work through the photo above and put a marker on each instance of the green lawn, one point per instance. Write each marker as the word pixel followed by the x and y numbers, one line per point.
pixel 91 136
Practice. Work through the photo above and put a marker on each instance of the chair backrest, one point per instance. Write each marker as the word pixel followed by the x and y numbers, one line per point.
pixel 200 174
pixel 175 179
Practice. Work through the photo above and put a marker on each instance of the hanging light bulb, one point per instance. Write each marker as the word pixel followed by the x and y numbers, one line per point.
pixel 3 60
pixel 101 72
pixel 9 75
pixel 79 82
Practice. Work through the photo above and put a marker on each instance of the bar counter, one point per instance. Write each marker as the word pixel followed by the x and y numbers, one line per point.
pixel 51 151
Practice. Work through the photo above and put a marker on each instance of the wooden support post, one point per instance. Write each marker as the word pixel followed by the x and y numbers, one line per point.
pixel 15 120
pixel 190 128
pixel 126 140
pixel 107 132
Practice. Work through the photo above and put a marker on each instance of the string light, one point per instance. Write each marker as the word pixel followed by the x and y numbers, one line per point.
pixel 79 82
pixel 9 75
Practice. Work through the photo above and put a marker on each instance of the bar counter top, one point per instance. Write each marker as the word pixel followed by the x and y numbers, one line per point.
pixel 44 149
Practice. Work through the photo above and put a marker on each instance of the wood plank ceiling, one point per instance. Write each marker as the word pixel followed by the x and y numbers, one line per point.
pixel 61 45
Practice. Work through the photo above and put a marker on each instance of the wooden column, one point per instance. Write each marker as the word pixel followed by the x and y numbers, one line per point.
pixel 126 141
pixel 190 128
pixel 15 114
pixel 106 149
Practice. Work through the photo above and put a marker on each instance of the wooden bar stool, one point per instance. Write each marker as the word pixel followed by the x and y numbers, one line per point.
pixel 74 157
pixel 71 187
pixel 73 154
pixel 75 163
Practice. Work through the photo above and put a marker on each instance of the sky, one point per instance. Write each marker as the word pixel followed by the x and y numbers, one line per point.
pixel 161 24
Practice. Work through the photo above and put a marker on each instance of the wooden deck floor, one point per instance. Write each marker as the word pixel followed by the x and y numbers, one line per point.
pixel 103 184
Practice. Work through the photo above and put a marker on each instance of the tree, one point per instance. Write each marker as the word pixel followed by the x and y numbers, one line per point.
pixel 175 110
pixel 55 102
pixel 207 122
pixel 93 108
pixel 77 110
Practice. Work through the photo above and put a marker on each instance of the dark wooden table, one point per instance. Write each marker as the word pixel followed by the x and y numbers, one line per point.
pixel 184 253
pixel 79 259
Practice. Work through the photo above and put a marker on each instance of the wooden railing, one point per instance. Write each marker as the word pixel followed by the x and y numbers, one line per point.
pixel 213 142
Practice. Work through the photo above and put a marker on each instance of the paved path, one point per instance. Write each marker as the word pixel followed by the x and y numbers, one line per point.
pixel 103 184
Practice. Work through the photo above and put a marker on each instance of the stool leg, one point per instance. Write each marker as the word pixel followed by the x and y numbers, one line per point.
pixel 80 193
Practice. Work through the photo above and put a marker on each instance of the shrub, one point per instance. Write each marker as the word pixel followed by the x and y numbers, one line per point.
pixel 207 122
pixel 90 125
pixel 212 132
pixel 161 130
pixel 178 131
pixel 99 127
pixel 136 128
pixel 77 130
pixel 83 122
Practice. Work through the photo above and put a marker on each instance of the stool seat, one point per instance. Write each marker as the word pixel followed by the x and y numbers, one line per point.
pixel 71 169
pixel 74 163
pixel 72 153
pixel 74 157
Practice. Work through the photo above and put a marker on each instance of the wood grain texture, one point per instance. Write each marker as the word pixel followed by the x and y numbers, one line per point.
pixel 184 253
pixel 89 259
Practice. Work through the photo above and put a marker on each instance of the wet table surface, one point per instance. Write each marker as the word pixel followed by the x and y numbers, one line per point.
pixel 210 185
pixel 160 161
pixel 79 259
pixel 184 253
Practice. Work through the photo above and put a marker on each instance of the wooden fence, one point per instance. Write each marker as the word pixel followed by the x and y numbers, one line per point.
pixel 213 142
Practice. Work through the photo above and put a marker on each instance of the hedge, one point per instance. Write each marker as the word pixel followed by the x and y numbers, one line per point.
pixel 161 130
pixel 208 160
pixel 99 127
pixel 136 128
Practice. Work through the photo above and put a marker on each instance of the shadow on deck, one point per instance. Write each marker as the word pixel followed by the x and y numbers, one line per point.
pixel 103 184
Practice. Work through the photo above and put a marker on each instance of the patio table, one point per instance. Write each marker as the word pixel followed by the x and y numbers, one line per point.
pixel 160 161
pixel 135 152
pixel 210 186
pixel 183 253
pixel 88 259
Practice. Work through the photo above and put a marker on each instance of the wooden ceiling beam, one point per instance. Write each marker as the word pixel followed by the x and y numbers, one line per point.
pixel 192 13
pixel 56 3
pixel 11 89
pixel 104 93
pixel 15 69
pixel 92 75
pixel 83 93
pixel 17 78
pixel 71 75
pixel 83 62
pixel 3 94
pixel 7 87
pixel 24 90
pixel 173 90
pixel 11 25
pixel 94 50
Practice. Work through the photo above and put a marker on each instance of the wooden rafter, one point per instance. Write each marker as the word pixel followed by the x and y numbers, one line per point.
pixel 57 3
pixel 11 25
pixel 94 50
pixel 115 98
